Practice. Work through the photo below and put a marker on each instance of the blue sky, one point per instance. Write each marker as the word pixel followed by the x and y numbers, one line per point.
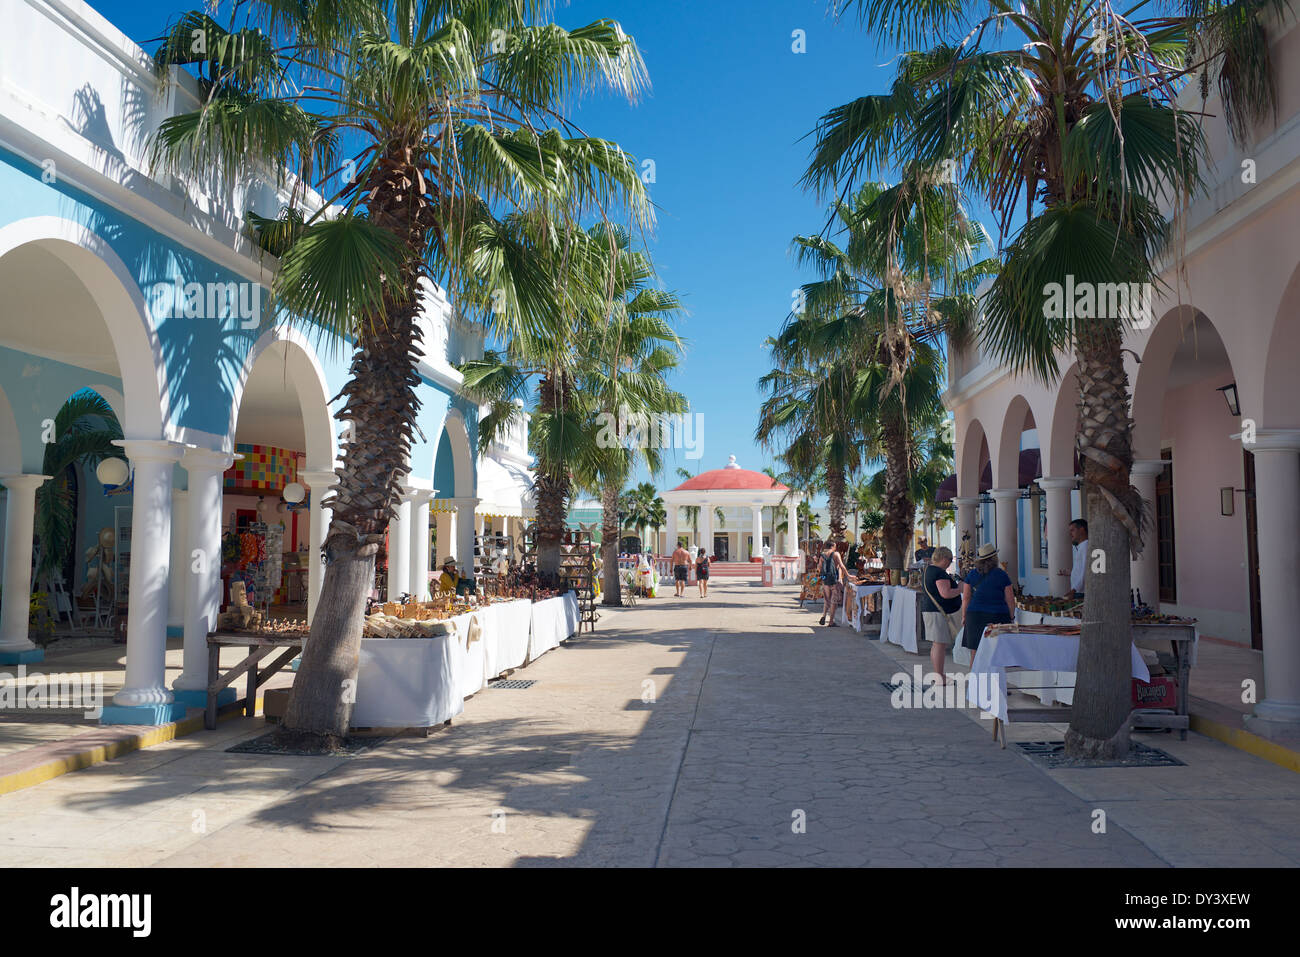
pixel 724 123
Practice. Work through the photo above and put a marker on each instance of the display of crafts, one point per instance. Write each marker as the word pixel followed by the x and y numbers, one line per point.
pixel 1010 629
pixel 1050 605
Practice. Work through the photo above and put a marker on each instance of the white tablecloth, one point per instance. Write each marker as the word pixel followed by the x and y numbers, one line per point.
pixel 407 682
pixel 899 616
pixel 855 597
pixel 473 632
pixel 554 620
pixel 511 626
pixel 1057 654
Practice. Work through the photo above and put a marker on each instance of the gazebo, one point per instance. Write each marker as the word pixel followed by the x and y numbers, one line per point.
pixel 729 487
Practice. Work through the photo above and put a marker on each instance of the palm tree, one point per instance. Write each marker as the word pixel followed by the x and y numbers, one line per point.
pixel 810 406
pixel 1068 111
pixel 83 434
pixel 903 276
pixel 416 117
pixel 626 376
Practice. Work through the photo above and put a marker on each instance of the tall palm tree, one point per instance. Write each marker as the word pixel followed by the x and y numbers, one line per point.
pixel 903 275
pixel 625 374
pixel 1069 112
pixel 810 406
pixel 413 119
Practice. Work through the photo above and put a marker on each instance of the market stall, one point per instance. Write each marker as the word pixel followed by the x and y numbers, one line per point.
pixel 900 620
pixel 854 611
pixel 408 683
pixel 1032 648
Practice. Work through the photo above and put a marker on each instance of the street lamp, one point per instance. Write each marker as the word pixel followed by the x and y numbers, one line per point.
pixel 1230 394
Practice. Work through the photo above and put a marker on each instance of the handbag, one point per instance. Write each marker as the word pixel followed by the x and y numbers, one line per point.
pixel 953 630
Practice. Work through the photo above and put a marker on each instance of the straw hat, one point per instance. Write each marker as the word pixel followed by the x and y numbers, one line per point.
pixel 449 561
pixel 987 550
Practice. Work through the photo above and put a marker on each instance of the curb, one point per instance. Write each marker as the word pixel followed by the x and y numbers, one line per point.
pixel 78 760
pixel 1243 740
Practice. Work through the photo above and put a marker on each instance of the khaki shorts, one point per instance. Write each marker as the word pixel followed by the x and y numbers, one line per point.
pixel 936 629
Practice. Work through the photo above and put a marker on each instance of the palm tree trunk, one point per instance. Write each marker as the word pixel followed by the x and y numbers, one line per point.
pixel 609 544
pixel 835 500
pixel 381 403
pixel 553 487
pixel 1098 724
pixel 898 506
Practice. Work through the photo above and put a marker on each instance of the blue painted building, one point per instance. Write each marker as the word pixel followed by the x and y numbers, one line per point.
pixel 144 287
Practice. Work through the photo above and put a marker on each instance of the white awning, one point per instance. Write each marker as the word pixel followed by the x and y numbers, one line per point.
pixel 505 489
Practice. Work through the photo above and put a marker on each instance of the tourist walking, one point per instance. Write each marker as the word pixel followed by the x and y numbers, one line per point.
pixel 681 566
pixel 833 574
pixel 702 573
pixel 986 595
pixel 940 608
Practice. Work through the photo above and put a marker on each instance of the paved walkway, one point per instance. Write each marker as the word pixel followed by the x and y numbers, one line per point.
pixel 726 731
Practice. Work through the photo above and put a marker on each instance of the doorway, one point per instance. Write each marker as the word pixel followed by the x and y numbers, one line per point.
pixel 1252 551
pixel 721 547
pixel 1165 556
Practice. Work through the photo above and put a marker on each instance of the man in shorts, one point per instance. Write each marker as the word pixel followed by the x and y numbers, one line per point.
pixel 681 565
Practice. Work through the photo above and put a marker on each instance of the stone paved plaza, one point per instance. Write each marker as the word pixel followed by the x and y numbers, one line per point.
pixel 712 732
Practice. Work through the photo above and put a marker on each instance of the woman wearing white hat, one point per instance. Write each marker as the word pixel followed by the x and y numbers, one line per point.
pixel 987 597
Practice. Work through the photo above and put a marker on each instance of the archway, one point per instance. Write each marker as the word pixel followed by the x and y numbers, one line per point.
pixel 1197 478
pixel 453 481
pixel 54 274
pixel 281 424
pixel 71 316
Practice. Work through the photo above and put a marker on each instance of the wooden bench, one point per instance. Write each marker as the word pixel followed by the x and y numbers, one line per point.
pixel 259 647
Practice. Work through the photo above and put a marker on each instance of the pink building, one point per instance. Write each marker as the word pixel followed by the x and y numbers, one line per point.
pixel 1220 465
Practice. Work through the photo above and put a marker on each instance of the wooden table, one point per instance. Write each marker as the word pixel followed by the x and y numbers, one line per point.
pixel 259 647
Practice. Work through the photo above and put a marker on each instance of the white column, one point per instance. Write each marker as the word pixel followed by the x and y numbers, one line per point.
pixel 1057 491
pixel 465 534
pixel 445 522
pixel 20 521
pixel 200 562
pixel 151 526
pixel 399 549
pixel 1144 571
pixel 706 528
pixel 791 529
pixel 318 480
pixel 419 570
pixel 1277 497
pixel 966 512
pixel 756 510
pixel 672 528
pixel 180 566
pixel 1008 540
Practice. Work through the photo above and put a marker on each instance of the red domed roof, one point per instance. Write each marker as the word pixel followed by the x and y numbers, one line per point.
pixel 731 477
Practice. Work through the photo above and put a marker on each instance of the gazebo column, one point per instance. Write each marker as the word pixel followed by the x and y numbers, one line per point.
pixel 1008 539
pixel 672 528
pixel 144 698
pixel 1277 496
pixel 1058 539
pixel 1144 571
pixel 318 524
pixel 200 560
pixel 756 510
pixel 20 522
pixel 791 529
pixel 706 527
pixel 419 568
